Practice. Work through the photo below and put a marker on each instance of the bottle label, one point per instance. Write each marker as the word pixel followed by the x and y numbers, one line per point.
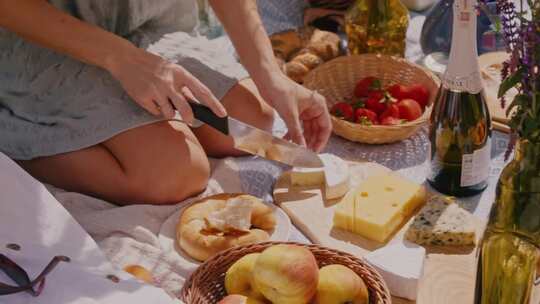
pixel 471 83
pixel 475 167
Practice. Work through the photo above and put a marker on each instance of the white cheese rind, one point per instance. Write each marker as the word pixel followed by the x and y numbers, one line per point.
pixel 401 265
pixel 334 176
pixel 442 222
pixel 337 176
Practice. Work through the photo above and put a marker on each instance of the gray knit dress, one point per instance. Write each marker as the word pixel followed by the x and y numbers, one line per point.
pixel 52 104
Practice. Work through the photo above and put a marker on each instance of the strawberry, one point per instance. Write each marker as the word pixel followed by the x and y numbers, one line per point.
pixel 409 109
pixel 342 110
pixel 365 117
pixel 397 91
pixel 391 121
pixel 366 85
pixel 392 110
pixel 419 93
pixel 360 103
pixel 376 102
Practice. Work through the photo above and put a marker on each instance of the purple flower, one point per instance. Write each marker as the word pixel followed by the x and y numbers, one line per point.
pixel 522 38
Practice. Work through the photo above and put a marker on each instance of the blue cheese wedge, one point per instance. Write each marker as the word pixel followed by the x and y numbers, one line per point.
pixel 442 222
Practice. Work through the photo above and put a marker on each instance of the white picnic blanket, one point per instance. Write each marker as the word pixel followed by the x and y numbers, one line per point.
pixel 129 235
pixel 34 227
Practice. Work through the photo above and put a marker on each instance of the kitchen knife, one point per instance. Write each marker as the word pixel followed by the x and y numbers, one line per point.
pixel 255 141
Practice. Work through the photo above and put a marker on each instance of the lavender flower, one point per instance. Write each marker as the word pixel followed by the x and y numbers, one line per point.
pixel 522 37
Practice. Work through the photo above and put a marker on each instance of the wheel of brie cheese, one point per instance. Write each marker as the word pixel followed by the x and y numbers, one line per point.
pixel 334 176
pixel 223 221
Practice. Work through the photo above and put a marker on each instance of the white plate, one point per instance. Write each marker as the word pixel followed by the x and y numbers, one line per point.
pixel 167 233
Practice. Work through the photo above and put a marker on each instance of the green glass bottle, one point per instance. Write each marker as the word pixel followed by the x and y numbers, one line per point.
pixel 509 252
pixel 377 26
pixel 460 126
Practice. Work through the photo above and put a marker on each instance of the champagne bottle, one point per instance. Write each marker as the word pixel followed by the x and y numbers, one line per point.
pixel 460 125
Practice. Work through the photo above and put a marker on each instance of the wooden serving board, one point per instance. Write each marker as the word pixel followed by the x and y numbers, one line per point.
pixel 449 277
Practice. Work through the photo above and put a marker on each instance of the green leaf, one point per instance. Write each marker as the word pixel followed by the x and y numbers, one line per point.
pixel 359 104
pixel 529 126
pixel 520 100
pixel 376 85
pixel 365 121
pixel 510 82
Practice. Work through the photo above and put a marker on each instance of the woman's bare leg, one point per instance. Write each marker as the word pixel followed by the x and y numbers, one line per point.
pixel 244 103
pixel 160 163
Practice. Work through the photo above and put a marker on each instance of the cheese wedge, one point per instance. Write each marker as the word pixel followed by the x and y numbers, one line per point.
pixel 401 265
pixel 236 216
pixel 442 222
pixel 334 176
pixel 379 206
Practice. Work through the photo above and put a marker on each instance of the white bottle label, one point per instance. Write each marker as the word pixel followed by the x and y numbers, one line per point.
pixel 475 167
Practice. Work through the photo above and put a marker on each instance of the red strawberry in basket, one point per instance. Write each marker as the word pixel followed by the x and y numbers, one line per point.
pixel 397 91
pixel 392 110
pixel 376 102
pixel 343 110
pixel 367 85
pixel 419 93
pixel 365 117
pixel 391 121
pixel 409 109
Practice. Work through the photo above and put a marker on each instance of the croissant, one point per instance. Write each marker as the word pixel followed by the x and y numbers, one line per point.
pixel 299 52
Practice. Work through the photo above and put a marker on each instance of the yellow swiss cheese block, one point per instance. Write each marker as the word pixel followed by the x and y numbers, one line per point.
pixel 379 206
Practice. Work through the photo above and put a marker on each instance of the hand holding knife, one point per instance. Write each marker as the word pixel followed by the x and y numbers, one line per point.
pixel 255 141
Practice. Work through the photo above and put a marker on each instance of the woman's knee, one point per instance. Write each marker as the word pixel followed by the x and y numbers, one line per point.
pixel 167 168
pixel 176 182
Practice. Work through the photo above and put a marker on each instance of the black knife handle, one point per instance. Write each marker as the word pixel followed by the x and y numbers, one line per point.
pixel 204 114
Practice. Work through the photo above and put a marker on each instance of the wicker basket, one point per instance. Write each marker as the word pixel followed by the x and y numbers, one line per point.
pixel 206 284
pixel 337 78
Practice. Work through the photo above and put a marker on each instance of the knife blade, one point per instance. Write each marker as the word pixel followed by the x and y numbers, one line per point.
pixel 255 141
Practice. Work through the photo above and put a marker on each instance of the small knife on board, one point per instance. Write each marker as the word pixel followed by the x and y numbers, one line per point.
pixel 255 141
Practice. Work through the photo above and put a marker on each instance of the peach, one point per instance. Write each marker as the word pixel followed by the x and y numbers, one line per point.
pixel 239 277
pixel 339 285
pixel 286 274
pixel 239 299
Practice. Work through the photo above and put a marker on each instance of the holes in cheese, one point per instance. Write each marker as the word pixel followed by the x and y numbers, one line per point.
pixel 379 206
pixel 334 176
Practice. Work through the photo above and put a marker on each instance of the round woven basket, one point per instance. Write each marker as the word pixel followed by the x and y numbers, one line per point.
pixel 206 284
pixel 337 78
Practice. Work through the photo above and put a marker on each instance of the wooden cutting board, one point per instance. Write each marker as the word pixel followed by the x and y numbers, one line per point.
pixel 449 277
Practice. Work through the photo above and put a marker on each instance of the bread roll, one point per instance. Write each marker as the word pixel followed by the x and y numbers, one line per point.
pixel 303 50
pixel 296 71
pixel 324 44
pixel 200 241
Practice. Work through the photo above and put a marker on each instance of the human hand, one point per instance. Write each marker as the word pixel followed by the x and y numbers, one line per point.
pixel 162 87
pixel 304 111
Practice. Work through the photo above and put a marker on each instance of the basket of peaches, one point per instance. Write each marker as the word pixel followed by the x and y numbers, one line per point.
pixel 375 99
pixel 281 272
